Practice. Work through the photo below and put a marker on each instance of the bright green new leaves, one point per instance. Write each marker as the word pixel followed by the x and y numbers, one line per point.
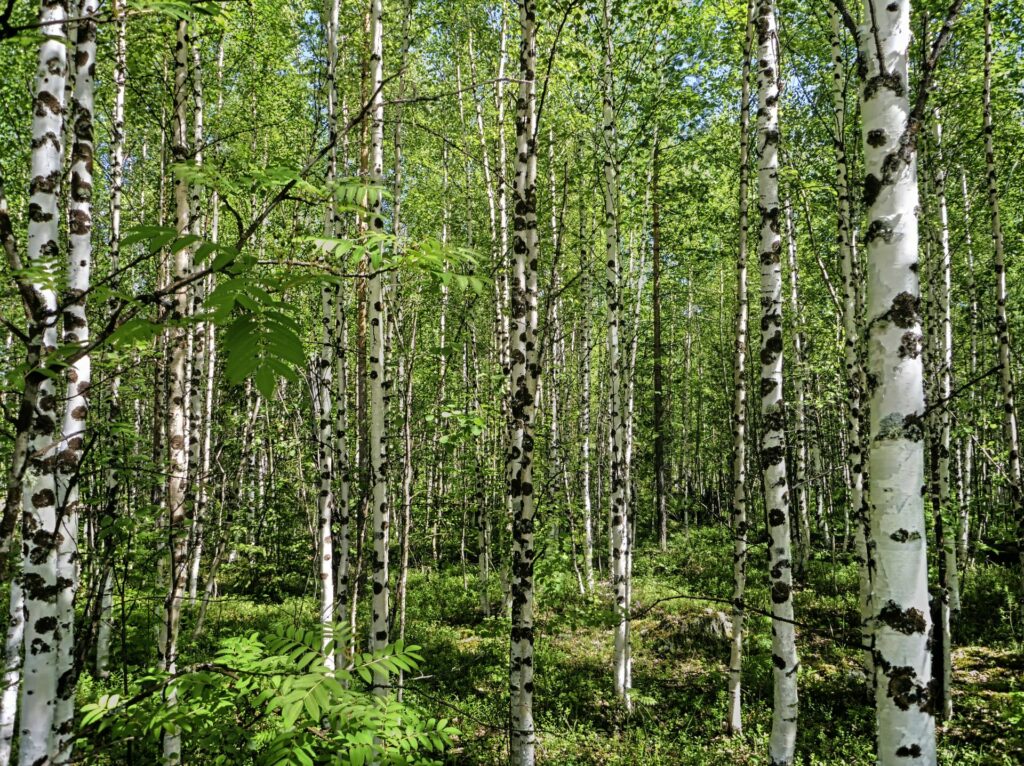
pixel 179 9
pixel 450 264
pixel 270 701
pixel 262 339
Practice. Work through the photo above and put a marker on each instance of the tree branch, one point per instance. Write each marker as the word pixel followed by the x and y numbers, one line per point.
pixel 928 68
pixel 848 21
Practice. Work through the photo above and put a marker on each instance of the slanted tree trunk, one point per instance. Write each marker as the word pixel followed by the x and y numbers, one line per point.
pixel 739 523
pixel 503 285
pixel 773 414
pixel 497 257
pixel 892 322
pixel 39 490
pixel 524 374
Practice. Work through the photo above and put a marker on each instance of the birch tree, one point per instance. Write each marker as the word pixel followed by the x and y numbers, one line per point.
pixel 377 369
pixel 773 415
pixel 177 389
pixel 39 490
pixel 851 339
pixel 660 424
pixel 112 479
pixel 79 376
pixel 738 519
pixel 524 374
pixel 900 616
pixel 942 287
pixel 619 498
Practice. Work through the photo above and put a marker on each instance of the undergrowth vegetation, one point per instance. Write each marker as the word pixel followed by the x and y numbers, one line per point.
pixel 266 698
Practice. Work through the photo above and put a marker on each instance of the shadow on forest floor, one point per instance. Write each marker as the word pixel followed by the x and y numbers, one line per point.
pixel 988 701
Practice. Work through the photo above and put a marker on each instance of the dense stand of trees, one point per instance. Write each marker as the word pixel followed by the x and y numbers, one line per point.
pixel 304 298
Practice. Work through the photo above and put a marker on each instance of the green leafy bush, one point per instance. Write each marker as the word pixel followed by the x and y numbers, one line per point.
pixel 271 701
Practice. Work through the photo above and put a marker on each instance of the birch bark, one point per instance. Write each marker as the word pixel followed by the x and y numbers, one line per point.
pixel 377 368
pixel 851 340
pixel 524 373
pixel 895 390
pixel 773 416
pixel 38 485
pixel 740 525
pixel 112 478
pixel 618 509
pixel 79 378
pixel 175 412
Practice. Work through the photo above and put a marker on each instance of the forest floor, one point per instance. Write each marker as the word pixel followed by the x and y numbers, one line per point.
pixel 679 662
pixel 680 666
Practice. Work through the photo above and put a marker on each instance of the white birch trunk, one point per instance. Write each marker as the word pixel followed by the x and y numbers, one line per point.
pixel 198 426
pixel 177 391
pixel 854 373
pixel 342 470
pixel 39 490
pixel 325 467
pixel 740 526
pixel 967 465
pixel 525 371
pixel 785 665
pixel 326 423
pixel 949 596
pixel 12 670
pixel 78 376
pixel 901 620
pixel 585 428
pixel 377 368
pixel 618 509
pixel 803 522
pixel 112 478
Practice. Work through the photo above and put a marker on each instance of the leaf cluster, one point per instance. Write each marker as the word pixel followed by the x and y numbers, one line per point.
pixel 273 701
